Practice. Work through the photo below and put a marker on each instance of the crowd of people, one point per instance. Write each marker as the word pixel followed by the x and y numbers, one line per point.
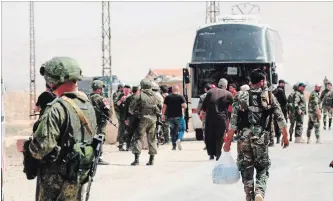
pixel 63 149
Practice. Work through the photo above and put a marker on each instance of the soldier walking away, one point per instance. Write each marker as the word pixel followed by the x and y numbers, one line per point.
pixel 215 105
pixel 248 113
pixel 326 104
pixel 280 95
pixel 102 109
pixel 46 97
pixel 122 138
pixel 173 106
pixel 291 111
pixel 115 106
pixel 300 112
pixel 131 121
pixel 69 122
pixel 202 117
pixel 165 123
pixel 314 114
pixel 145 105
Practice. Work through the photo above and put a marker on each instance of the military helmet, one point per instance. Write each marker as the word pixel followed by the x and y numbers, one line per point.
pixel 97 84
pixel 146 84
pixel 59 70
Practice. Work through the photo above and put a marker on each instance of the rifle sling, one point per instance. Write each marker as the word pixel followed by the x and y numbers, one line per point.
pixel 79 112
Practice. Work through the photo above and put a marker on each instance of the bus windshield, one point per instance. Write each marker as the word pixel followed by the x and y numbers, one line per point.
pixel 229 43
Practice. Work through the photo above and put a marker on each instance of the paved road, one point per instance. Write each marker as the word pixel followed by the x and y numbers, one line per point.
pixel 299 173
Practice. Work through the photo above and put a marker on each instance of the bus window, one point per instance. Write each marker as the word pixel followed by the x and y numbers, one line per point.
pixel 229 42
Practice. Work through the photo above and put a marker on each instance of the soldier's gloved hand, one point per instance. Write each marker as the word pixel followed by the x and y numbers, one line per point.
pixel 331 164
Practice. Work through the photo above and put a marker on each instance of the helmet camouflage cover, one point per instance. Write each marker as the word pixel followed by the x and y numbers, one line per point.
pixel 146 84
pixel 97 84
pixel 59 70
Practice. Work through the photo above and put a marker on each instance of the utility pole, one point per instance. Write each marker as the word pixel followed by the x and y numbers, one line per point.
pixel 245 9
pixel 212 11
pixel 106 47
pixel 32 61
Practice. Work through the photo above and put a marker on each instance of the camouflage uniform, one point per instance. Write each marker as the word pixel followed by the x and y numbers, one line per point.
pixel 160 99
pixel 101 106
pixel 314 121
pixel 51 185
pixel 146 106
pixel 253 147
pixel 132 119
pixel 299 104
pixel 291 111
pixel 325 108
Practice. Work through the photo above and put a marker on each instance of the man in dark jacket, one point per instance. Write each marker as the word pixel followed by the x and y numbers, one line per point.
pixel 280 95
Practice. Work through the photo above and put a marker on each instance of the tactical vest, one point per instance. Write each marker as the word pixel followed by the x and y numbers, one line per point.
pixel 148 104
pixel 255 108
pixel 74 153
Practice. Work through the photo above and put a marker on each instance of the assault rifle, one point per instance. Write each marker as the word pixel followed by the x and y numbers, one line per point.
pixel 106 117
pixel 98 140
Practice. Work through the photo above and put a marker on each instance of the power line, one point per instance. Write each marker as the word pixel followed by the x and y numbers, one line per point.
pixel 106 46
pixel 212 11
pixel 32 61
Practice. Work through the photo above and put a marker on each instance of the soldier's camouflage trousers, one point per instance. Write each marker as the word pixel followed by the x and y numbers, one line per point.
pixel 299 125
pixel 253 154
pixel 292 124
pixel 326 113
pixel 52 187
pixel 121 138
pixel 166 131
pixel 147 126
pixel 313 122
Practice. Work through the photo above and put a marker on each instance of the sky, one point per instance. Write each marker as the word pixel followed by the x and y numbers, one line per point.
pixel 154 35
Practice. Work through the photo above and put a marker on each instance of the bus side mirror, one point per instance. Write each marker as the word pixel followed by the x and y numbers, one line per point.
pixel 186 76
pixel 275 78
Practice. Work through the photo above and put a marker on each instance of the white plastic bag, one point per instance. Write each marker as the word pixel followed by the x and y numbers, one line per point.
pixel 226 170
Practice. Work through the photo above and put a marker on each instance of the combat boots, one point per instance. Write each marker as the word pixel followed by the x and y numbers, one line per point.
pixel 136 160
pixel 291 138
pixel 299 140
pixel 151 160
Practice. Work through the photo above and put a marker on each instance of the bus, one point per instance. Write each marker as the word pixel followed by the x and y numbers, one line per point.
pixel 231 48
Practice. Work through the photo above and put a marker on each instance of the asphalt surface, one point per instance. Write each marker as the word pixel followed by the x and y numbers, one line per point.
pixel 298 173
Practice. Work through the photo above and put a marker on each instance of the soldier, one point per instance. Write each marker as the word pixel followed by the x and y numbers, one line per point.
pixel 252 147
pixel 325 105
pixel 122 138
pixel 131 120
pixel 314 113
pixel 102 109
pixel 165 124
pixel 115 98
pixel 145 105
pixel 61 128
pixel 291 111
pixel 300 112
pixel 160 99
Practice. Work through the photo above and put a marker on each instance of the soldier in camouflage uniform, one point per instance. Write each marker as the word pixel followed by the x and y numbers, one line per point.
pixel 291 111
pixel 102 109
pixel 145 105
pixel 300 112
pixel 165 124
pixel 314 113
pixel 325 107
pixel 252 146
pixel 61 74
pixel 122 135
pixel 159 123
pixel 131 120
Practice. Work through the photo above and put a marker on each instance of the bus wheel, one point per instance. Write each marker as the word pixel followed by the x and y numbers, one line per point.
pixel 199 134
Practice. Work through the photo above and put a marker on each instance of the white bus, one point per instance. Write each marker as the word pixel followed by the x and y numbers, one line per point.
pixel 231 48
